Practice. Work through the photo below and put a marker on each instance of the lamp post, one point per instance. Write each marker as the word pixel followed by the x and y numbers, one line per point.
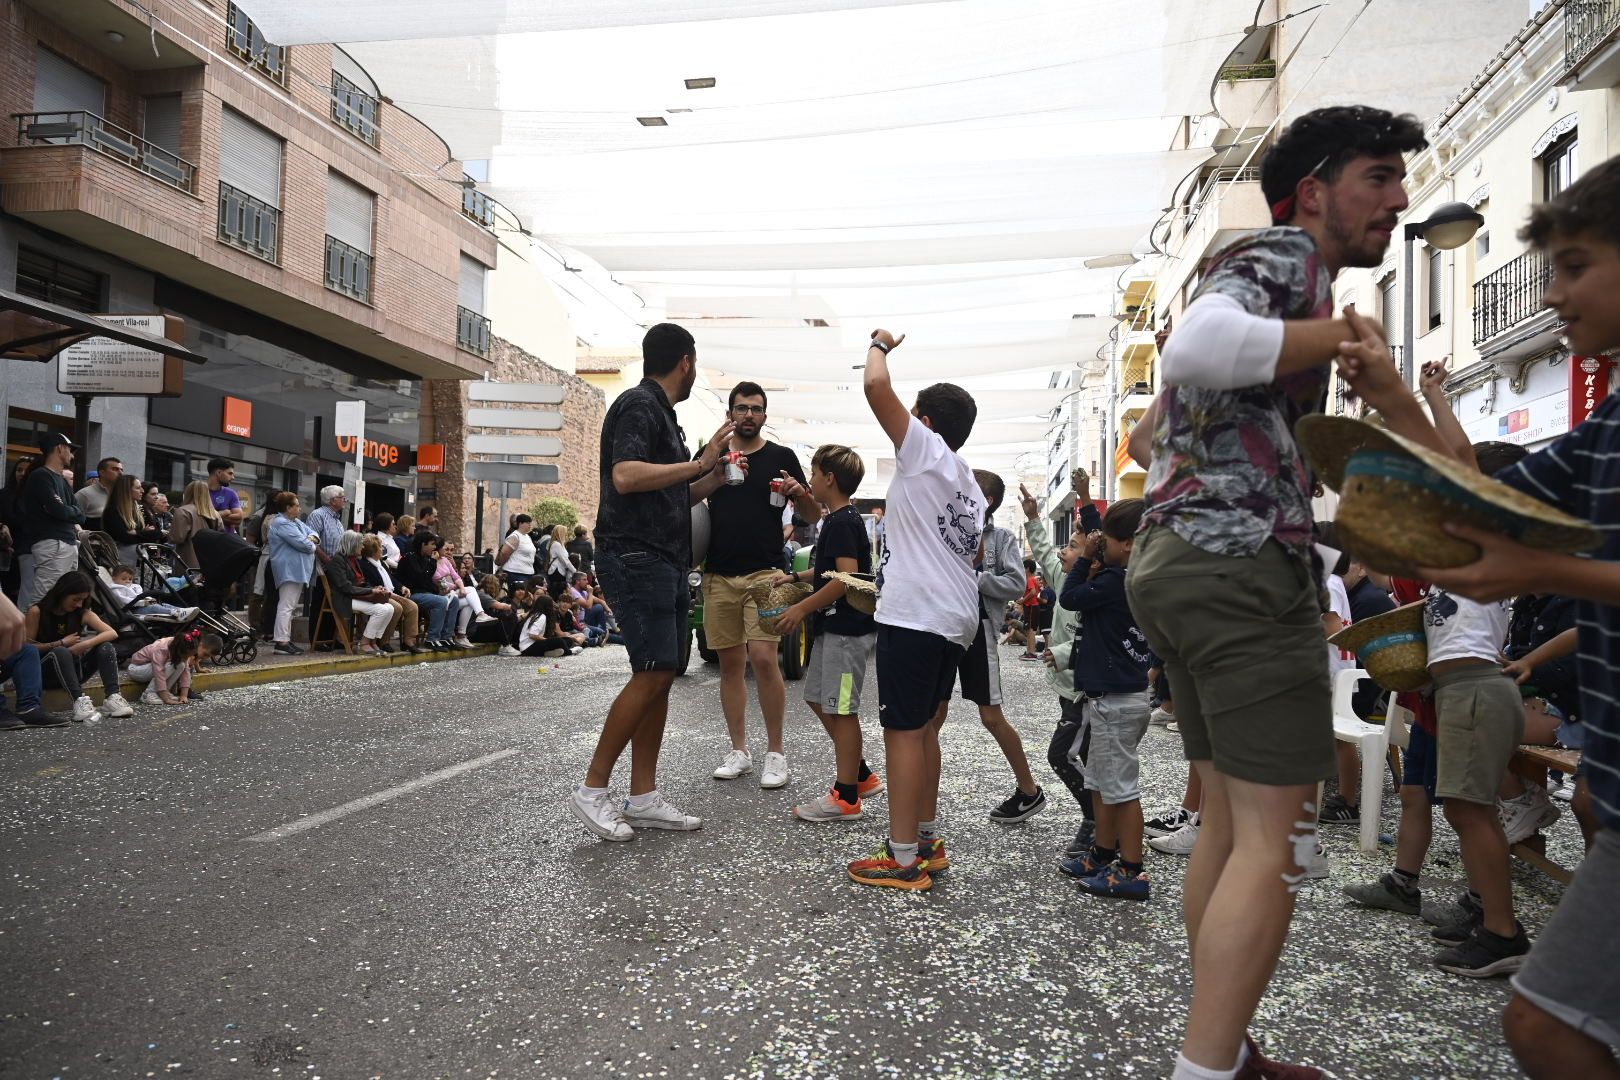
pixel 1451 226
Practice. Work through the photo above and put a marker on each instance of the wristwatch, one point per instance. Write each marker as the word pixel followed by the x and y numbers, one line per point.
pixel 880 347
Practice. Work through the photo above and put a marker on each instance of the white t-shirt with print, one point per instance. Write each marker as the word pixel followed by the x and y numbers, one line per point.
pixel 1339 601
pixel 1457 627
pixel 934 518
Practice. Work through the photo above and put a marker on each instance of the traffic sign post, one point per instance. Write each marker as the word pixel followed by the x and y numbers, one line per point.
pixel 350 420
pixel 510 476
pixel 513 472
pixel 515 445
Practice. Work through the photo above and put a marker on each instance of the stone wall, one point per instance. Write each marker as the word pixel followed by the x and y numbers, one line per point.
pixel 582 408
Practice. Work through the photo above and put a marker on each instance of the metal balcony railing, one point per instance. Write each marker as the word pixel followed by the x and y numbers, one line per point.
pixel 1229 174
pixel 245 39
pixel 478 206
pixel 248 223
pixel 88 129
pixel 1263 69
pixel 1587 25
pixel 472 331
pixel 348 270
pixel 355 110
pixel 1511 295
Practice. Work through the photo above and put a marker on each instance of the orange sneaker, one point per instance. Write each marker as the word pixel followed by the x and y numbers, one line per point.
pixel 872 785
pixel 829 808
pixel 879 868
pixel 934 855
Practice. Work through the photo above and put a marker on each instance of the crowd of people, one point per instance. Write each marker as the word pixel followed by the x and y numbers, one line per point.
pixel 1206 605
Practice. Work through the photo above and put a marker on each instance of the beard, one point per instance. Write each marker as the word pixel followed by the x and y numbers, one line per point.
pixel 1363 251
pixel 747 428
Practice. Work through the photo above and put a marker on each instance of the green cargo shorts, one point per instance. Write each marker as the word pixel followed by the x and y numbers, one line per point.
pixel 1242 647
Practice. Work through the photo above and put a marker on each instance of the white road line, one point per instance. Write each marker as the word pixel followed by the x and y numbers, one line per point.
pixel 313 821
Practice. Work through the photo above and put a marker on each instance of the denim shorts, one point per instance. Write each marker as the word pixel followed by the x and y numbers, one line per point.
pixel 650 596
pixel 1113 765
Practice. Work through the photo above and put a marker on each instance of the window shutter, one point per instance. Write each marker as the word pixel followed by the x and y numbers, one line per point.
pixel 471 293
pixel 163 122
pixel 250 158
pixel 63 87
pixel 345 65
pixel 349 212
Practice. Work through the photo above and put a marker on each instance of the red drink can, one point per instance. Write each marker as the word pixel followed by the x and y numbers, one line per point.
pixel 778 498
pixel 734 470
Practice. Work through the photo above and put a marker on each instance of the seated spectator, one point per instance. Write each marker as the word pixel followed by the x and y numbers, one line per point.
pixel 598 629
pixel 352 594
pixel 374 571
pixel 383 526
pixel 74 643
pixel 468 566
pixel 128 592
pixel 194 514
pixel 533 636
pixel 166 666
pixel 126 521
pixel 156 505
pixel 416 570
pixel 501 621
pixel 464 596
pixel 568 624
pixel 23 670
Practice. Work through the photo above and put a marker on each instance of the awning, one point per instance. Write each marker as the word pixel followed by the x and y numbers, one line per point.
pixel 35 330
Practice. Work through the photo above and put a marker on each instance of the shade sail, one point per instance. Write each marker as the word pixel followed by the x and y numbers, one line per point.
pixel 801 405
pixel 1003 434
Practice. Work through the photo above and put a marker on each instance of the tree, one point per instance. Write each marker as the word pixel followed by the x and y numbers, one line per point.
pixel 552 511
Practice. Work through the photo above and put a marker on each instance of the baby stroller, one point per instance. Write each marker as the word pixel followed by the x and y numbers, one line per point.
pixel 223 559
pixel 98 554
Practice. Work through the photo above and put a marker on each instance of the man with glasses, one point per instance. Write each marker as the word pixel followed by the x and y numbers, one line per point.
pixel 745 547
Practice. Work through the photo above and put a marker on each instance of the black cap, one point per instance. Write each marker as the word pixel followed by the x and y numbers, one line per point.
pixel 52 439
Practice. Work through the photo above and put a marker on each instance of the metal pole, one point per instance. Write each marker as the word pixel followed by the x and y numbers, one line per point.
pixel 81 434
pixel 357 513
pixel 478 520
pixel 1409 292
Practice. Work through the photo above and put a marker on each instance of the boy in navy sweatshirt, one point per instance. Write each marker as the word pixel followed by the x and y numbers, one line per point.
pixel 1111 660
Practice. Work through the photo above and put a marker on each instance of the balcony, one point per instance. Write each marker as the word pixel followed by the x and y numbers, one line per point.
pixel 477 206
pixel 244 39
pixel 1509 317
pixel 89 130
pixel 355 110
pixel 248 223
pixel 348 270
pixel 472 332
pixel 1260 69
pixel 1591 44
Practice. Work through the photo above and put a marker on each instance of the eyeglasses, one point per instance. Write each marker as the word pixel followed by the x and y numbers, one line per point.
pixel 749 410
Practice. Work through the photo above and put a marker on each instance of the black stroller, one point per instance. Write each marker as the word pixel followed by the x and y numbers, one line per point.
pixel 223 559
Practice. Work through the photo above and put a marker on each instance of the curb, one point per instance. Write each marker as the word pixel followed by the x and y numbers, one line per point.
pixel 232 678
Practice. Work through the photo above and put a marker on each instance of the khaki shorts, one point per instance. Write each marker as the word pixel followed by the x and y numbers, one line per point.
pixel 730 616
pixel 1241 643
pixel 1479 719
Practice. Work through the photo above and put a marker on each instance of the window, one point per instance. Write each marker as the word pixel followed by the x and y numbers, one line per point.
pixel 162 123
pixel 350 210
pixel 1559 165
pixel 246 41
pixel 1435 287
pixel 62 87
pixel 249 186
pixel 1387 310
pixel 472 328
pixel 1482 244
pixel 354 97
pixel 44 277
pixel 470 295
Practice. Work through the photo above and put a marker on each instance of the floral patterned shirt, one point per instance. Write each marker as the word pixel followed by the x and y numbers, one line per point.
pixel 1226 475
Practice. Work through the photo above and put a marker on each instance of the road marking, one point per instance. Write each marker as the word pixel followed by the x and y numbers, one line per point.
pixel 313 821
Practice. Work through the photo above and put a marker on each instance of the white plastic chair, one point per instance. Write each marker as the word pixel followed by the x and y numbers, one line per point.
pixel 1374 742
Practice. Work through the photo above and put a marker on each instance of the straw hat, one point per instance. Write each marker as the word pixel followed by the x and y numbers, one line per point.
pixel 861 591
pixel 1395 497
pixel 1392 647
pixel 772 600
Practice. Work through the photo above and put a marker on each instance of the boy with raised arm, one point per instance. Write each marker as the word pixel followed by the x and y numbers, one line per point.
pixel 928 605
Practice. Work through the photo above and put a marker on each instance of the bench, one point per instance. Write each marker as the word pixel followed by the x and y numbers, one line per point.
pixel 1373 739
pixel 1533 763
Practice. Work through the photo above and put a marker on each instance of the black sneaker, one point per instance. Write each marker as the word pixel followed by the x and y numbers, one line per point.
pixel 1389 894
pixel 1454 922
pixel 287 649
pixel 10 721
pixel 1335 811
pixel 1165 824
pixel 1082 841
pixel 1485 955
pixel 37 717
pixel 1019 806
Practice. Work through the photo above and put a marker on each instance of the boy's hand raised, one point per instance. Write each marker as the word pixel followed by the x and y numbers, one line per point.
pixel 887 340
pixel 1032 509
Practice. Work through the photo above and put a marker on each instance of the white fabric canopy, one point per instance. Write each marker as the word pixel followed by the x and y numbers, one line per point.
pixel 812 405
pixel 1002 434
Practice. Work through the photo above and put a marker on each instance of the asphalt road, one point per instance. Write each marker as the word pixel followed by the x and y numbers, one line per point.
pixel 170 906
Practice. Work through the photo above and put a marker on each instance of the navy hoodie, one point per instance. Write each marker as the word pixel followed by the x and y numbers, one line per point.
pixel 1110 656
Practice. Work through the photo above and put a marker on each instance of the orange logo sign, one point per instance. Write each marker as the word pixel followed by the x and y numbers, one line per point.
pixel 384 454
pixel 430 458
pixel 238 419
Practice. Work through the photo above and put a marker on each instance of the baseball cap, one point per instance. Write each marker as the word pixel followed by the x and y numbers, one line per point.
pixel 52 439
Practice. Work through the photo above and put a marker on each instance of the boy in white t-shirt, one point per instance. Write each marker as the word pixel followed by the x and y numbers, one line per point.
pixel 928 607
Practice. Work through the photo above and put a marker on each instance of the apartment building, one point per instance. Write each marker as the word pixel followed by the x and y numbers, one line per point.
pixel 320 243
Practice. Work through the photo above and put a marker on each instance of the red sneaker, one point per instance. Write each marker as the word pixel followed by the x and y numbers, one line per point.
pixel 880 868
pixel 1259 1067
pixel 872 785
pixel 934 855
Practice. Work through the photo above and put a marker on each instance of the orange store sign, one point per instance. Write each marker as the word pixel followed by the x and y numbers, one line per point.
pixel 384 454
pixel 238 418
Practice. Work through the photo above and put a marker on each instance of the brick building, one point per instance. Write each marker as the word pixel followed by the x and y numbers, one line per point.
pixel 320 243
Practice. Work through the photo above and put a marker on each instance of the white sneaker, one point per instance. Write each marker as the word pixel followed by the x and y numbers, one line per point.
pixel 1528 814
pixel 737 762
pixel 84 710
pixel 775 774
pixel 1320 867
pixel 1564 791
pixel 600 814
pixel 116 707
pixel 575 650
pixel 1179 842
pixel 658 814
pixel 1161 717
pixel 150 697
pixel 507 650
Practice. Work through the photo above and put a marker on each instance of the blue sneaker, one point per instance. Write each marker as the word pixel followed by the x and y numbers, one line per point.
pixel 1083 865
pixel 1114 881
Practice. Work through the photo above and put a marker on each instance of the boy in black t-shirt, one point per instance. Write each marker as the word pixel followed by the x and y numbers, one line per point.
pixel 844 637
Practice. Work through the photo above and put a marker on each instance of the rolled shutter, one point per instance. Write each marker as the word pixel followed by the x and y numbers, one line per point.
pixel 163 122
pixel 63 87
pixel 250 158
pixel 471 293
pixel 350 209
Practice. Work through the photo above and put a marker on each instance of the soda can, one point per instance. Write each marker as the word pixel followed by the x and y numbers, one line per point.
pixel 734 470
pixel 778 497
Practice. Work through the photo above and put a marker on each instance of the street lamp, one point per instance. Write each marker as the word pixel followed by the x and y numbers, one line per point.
pixel 1451 226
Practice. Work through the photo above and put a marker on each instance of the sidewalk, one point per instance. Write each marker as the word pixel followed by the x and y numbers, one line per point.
pixel 271 667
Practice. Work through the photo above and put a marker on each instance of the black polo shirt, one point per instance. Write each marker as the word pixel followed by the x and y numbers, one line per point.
pixel 641 426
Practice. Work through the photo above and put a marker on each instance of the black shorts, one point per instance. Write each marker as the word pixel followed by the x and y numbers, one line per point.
pixel 915 671
pixel 980 669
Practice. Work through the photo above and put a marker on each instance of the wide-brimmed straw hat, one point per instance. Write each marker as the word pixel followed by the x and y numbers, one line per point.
pixel 772 600
pixel 861 591
pixel 1392 647
pixel 1395 497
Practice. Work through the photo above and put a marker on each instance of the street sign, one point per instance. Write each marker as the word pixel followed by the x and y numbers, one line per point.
pixel 513 472
pixel 350 418
pixel 516 393
pixel 102 367
pixel 517 419
pixel 515 445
